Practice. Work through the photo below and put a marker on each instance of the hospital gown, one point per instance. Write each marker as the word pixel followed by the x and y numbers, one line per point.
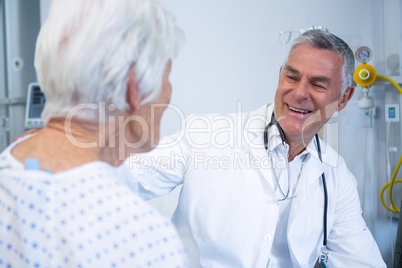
pixel 83 217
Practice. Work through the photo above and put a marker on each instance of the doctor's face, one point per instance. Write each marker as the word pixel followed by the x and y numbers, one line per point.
pixel 309 91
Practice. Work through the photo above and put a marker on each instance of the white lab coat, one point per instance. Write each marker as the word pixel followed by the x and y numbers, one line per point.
pixel 227 213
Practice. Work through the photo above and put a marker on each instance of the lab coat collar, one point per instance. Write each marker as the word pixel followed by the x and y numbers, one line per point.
pixel 254 125
pixel 325 152
pixel 257 120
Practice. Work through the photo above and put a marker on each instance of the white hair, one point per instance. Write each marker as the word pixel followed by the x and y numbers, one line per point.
pixel 86 48
pixel 321 39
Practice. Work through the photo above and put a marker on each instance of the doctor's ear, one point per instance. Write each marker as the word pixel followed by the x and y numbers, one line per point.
pixel 345 98
pixel 133 96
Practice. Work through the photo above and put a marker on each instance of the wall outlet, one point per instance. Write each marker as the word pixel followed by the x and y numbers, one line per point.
pixel 392 113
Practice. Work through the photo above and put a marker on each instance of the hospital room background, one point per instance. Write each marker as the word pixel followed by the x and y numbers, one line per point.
pixel 230 62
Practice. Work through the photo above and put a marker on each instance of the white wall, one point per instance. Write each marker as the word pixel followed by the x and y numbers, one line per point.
pixel 231 54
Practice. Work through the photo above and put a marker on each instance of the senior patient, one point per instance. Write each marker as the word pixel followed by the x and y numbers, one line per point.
pixel 103 65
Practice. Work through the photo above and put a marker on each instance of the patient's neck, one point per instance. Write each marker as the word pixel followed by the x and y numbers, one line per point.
pixel 60 146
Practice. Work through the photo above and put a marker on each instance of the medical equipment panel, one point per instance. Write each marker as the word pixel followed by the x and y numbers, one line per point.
pixel 35 104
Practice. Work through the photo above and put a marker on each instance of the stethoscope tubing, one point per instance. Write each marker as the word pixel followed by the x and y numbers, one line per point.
pixel 324 184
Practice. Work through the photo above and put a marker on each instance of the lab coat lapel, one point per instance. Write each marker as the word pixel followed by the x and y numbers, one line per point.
pixel 313 166
pixel 254 138
pixel 311 172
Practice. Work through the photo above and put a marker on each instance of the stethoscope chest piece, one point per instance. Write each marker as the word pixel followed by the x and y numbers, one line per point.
pixel 324 255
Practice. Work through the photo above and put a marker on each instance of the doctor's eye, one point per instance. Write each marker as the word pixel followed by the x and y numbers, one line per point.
pixel 319 86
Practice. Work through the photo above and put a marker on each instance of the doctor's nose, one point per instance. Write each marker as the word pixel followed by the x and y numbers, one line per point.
pixel 301 90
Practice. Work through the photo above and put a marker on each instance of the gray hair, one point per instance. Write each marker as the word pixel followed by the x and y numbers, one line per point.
pixel 86 48
pixel 322 39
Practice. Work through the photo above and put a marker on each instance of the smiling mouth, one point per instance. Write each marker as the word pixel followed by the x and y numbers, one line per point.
pixel 298 110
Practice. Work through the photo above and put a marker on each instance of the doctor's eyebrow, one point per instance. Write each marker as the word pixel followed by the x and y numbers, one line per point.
pixel 292 69
pixel 318 78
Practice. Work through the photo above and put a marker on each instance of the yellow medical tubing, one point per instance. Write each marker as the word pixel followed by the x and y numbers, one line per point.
pixel 390 184
pixel 391 81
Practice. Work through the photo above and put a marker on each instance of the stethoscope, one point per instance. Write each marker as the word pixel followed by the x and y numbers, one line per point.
pixel 324 252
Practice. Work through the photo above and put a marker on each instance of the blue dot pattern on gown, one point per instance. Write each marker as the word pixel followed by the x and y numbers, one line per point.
pixel 84 217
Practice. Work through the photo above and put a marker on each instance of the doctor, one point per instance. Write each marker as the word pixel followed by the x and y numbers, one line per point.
pixel 254 201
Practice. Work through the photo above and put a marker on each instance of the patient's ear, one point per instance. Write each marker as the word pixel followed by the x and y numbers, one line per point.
pixel 133 96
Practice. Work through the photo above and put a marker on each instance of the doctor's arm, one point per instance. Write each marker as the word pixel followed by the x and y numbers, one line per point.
pixel 158 172
pixel 350 242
